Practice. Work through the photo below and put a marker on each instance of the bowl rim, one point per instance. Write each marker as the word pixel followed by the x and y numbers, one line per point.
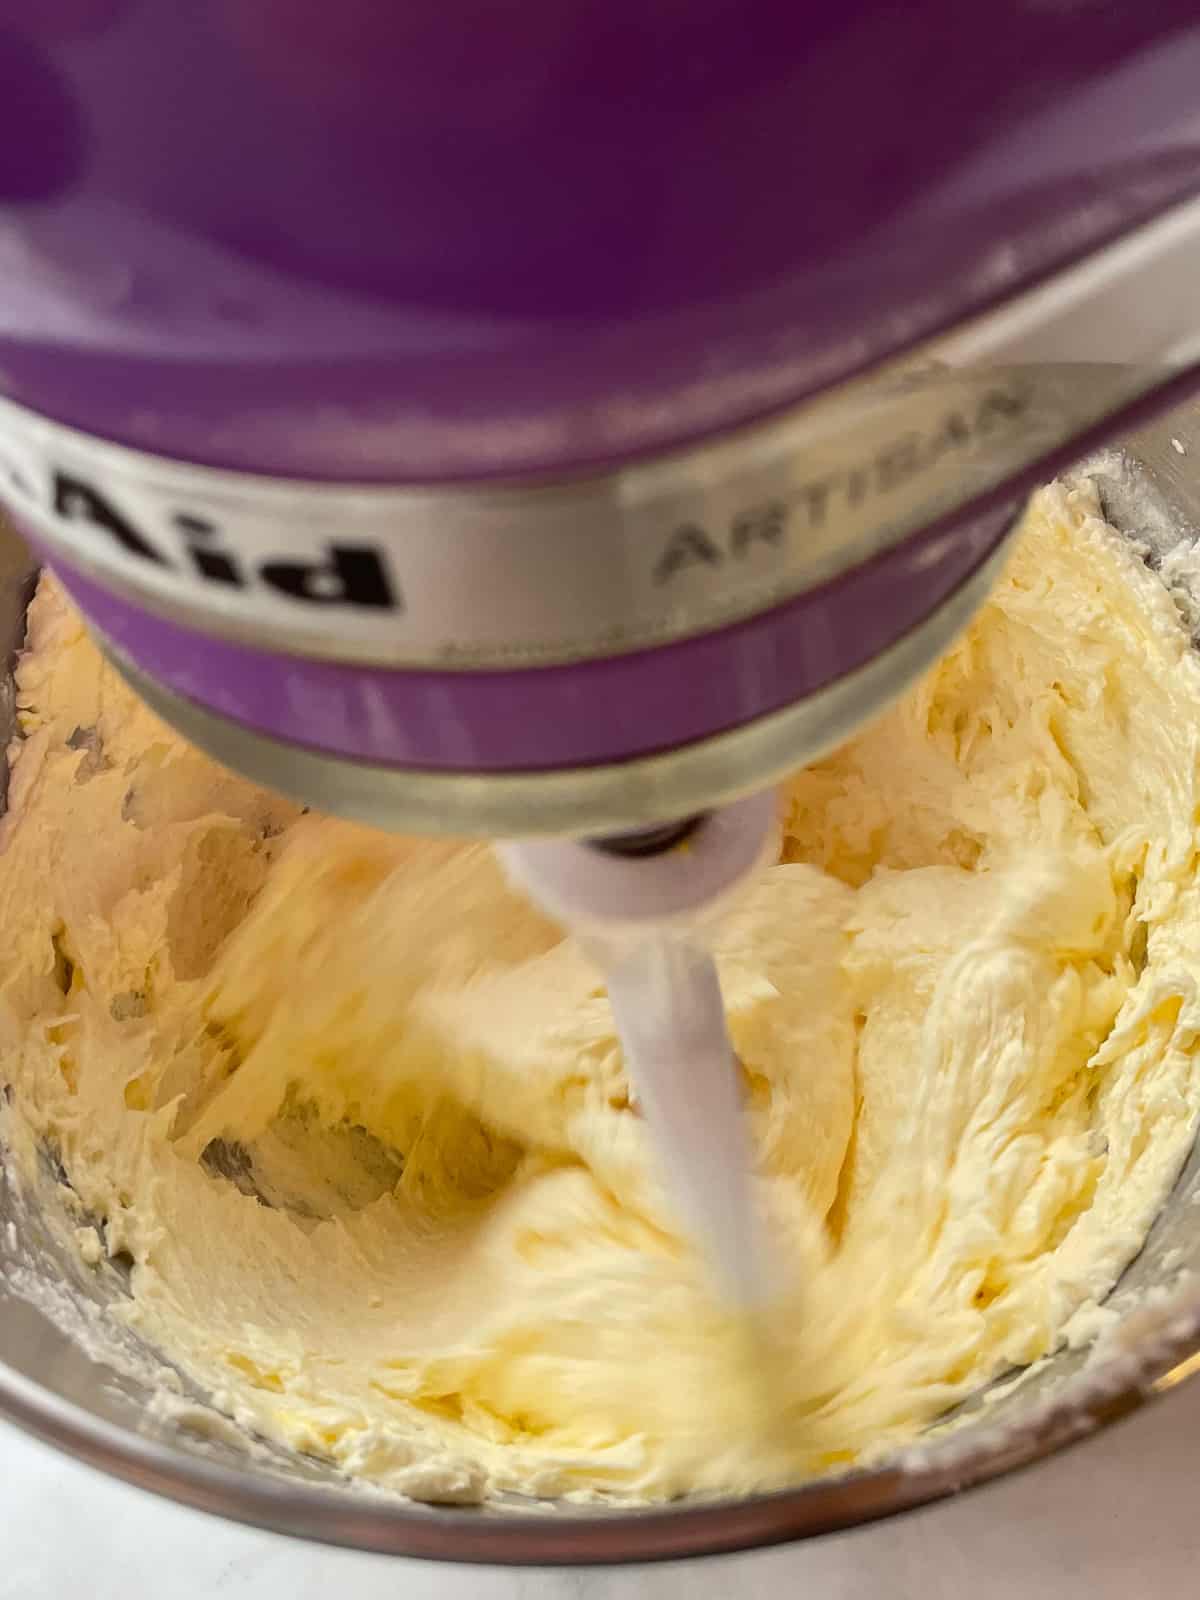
pixel 358 1517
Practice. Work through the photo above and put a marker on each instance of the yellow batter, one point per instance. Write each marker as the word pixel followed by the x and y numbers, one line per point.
pixel 358 1116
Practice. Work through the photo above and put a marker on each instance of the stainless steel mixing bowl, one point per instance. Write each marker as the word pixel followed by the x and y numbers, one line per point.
pixel 71 1375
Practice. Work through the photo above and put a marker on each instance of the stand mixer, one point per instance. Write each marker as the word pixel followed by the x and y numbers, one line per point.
pixel 558 424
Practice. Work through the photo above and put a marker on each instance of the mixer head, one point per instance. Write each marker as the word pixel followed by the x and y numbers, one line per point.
pixel 553 428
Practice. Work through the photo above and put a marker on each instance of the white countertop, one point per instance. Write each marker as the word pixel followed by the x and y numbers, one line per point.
pixel 1116 1519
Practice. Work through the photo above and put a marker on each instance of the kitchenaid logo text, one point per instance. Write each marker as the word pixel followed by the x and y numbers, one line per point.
pixel 341 574
pixel 816 502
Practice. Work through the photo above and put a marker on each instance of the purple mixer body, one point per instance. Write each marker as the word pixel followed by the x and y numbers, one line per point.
pixel 442 244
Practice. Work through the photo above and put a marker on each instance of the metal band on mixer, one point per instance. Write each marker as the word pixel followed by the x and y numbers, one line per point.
pixel 542 573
